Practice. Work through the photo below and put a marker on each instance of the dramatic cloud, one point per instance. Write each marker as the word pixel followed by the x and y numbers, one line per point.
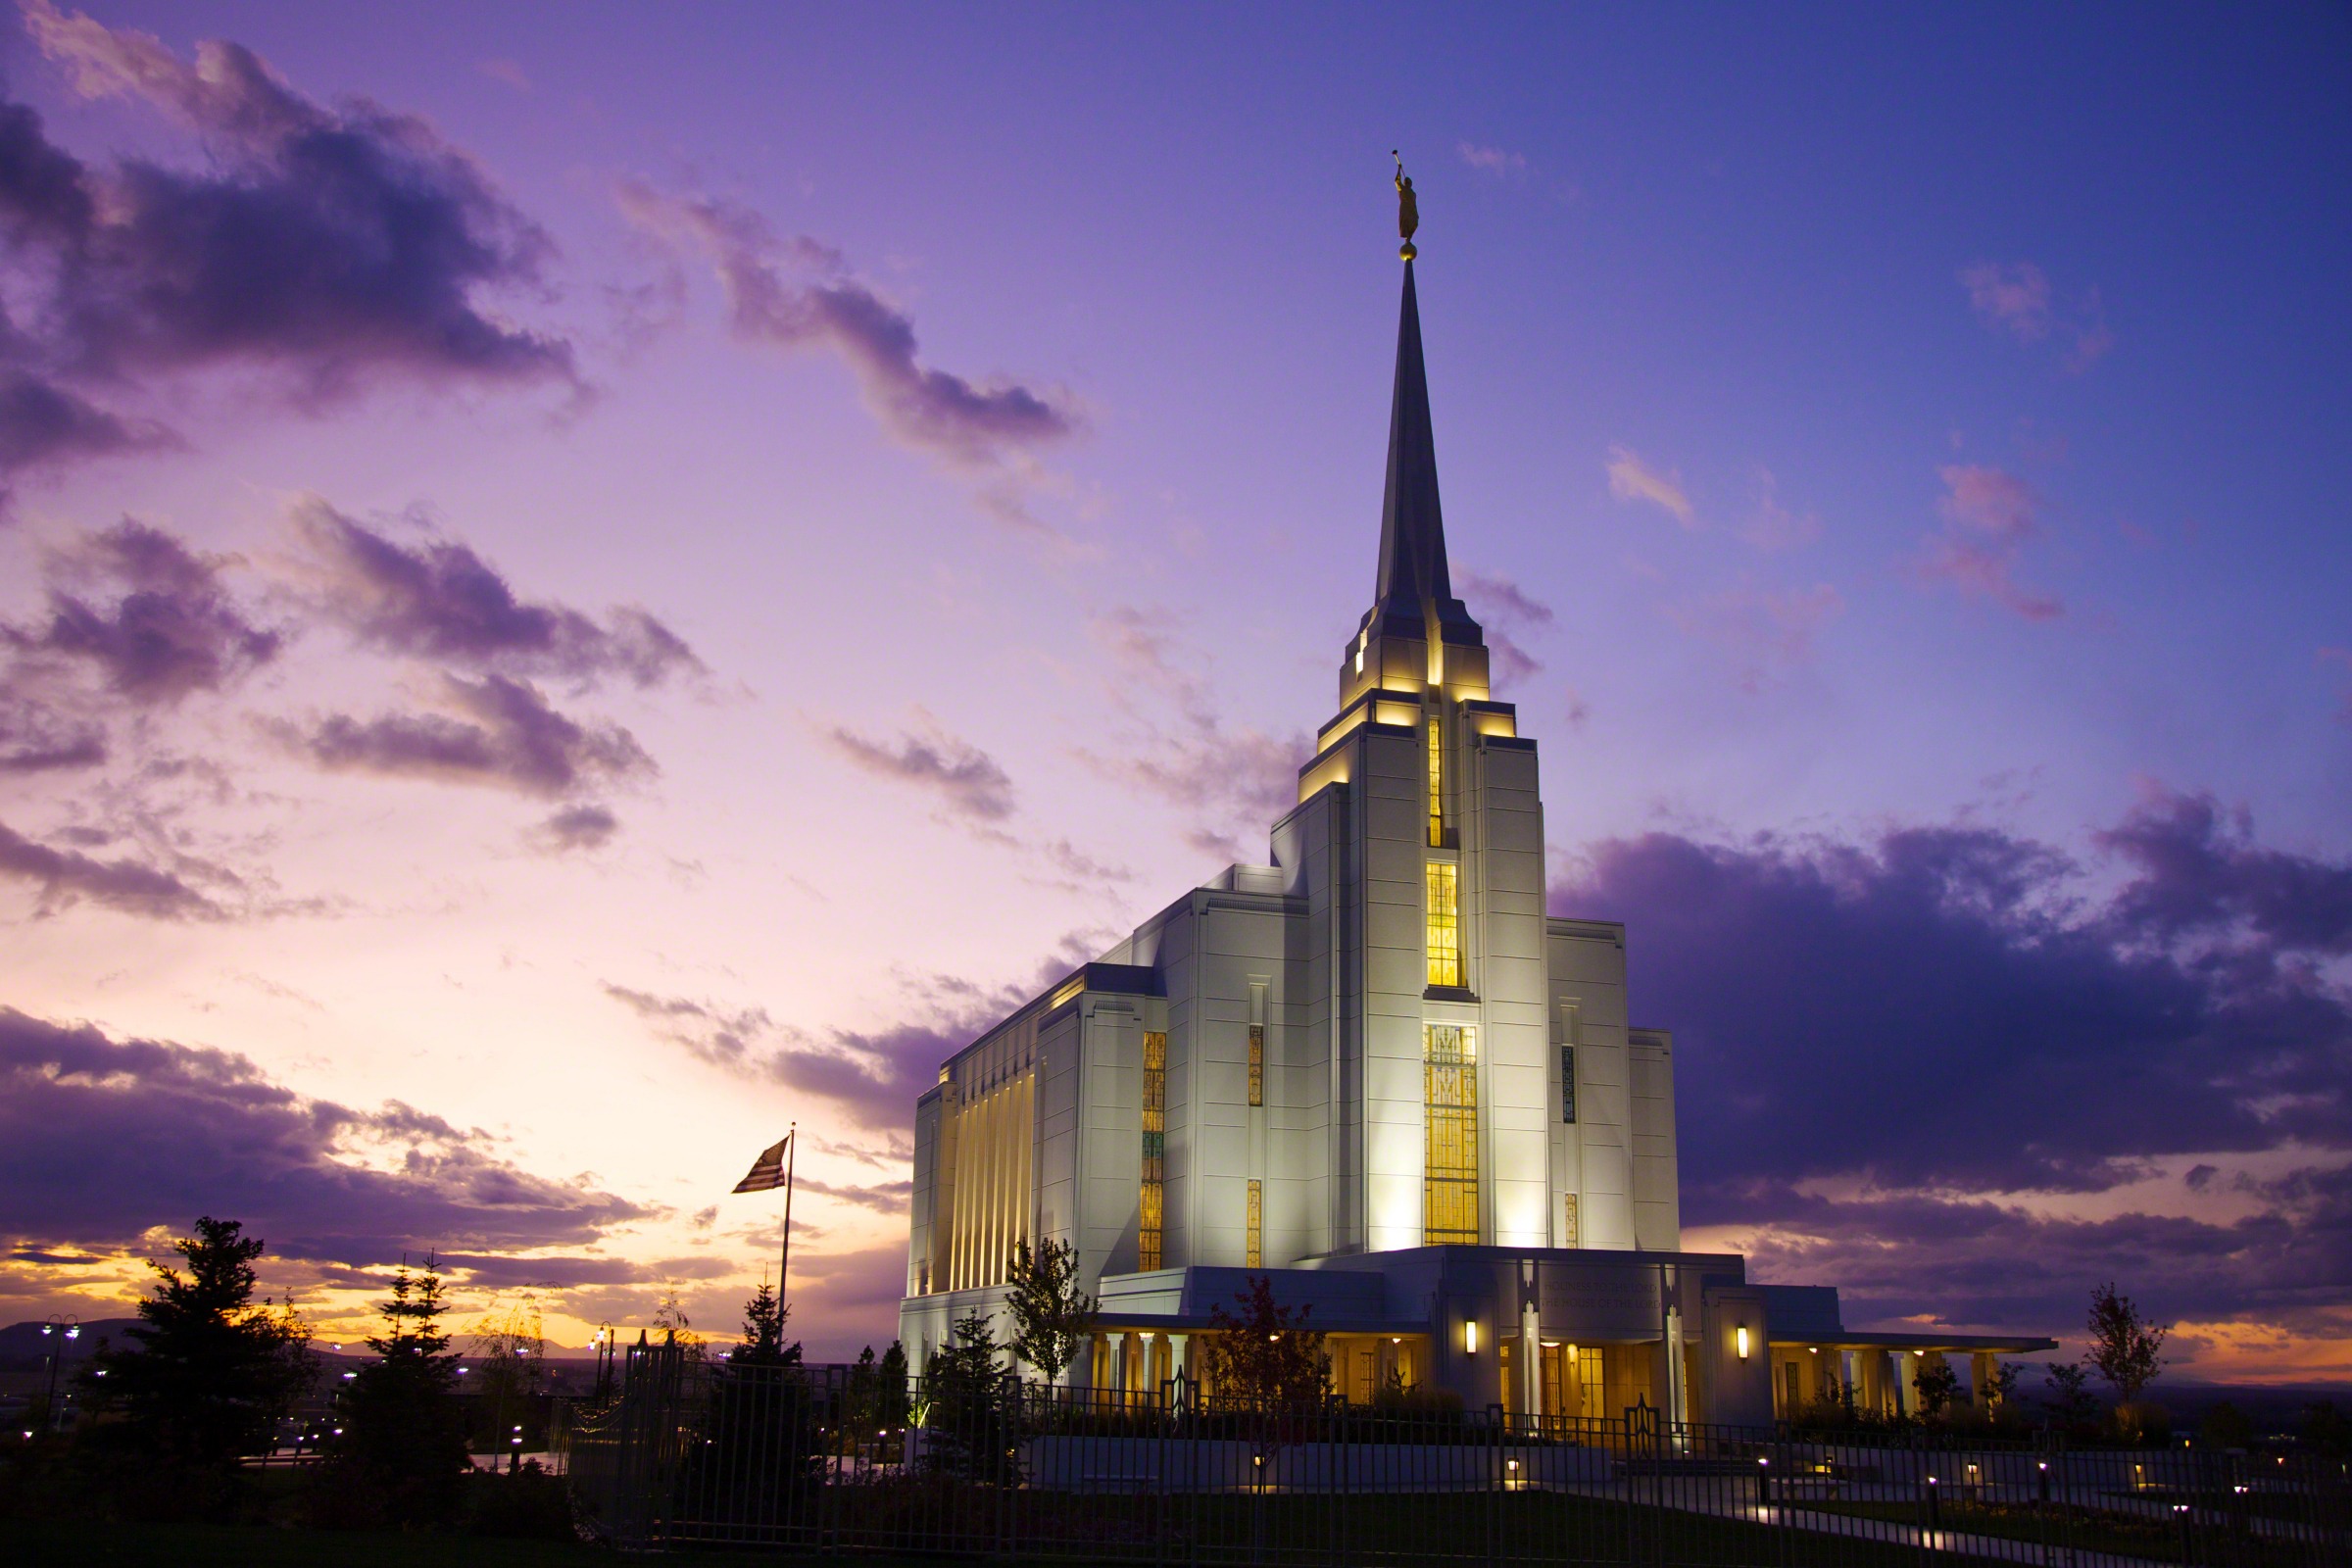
pixel 159 625
pixel 875 1077
pixel 1491 160
pixel 62 878
pixel 967 780
pixel 496 731
pixel 325 246
pixel 1988 516
pixel 439 599
pixel 1765 632
pixel 1507 613
pixel 2017 298
pixel 102 1140
pixel 796 294
pixel 2009 1061
pixel 1632 479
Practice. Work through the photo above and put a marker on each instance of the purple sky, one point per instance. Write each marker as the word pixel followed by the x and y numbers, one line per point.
pixel 571 594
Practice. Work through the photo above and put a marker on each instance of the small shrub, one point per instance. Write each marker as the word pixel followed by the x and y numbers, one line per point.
pixel 526 1505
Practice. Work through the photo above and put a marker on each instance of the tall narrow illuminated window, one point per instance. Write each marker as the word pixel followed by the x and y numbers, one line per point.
pixel 1156 1147
pixel 1444 924
pixel 1449 1184
pixel 1437 785
pixel 1257 1064
pixel 1255 1255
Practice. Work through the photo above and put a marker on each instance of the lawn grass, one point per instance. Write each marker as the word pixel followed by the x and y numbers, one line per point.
pixel 2088 1529
pixel 1388 1531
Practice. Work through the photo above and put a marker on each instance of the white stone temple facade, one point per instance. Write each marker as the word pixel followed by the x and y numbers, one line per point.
pixel 1375 1071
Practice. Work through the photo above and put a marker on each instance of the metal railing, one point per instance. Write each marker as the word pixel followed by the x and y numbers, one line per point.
pixel 814 1457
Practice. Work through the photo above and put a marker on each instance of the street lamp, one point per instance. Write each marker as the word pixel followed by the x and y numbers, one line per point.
pixel 51 1325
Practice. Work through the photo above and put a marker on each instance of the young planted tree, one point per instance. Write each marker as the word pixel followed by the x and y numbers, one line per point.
pixel 401 1456
pixel 510 1372
pixel 1936 1384
pixel 1051 1316
pixel 208 1374
pixel 2124 1349
pixel 2067 1394
pixel 1264 1358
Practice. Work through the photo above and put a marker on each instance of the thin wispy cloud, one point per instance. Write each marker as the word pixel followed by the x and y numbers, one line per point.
pixel 1988 516
pixel 1772 526
pixel 584 825
pixel 873 1076
pixel 958 774
pixel 1765 633
pixel 1495 160
pixel 797 294
pixel 1507 613
pixel 150 620
pixel 496 731
pixel 2016 297
pixel 1632 479
pixel 62 877
pixel 437 599
pixel 1234 778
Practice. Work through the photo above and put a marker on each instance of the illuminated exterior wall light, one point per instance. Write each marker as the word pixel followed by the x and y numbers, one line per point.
pixel 1470 1336
pixel 1742 1342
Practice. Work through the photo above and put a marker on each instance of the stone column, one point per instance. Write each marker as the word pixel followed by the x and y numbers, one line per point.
pixel 1116 1369
pixel 1980 1368
pixel 1179 1344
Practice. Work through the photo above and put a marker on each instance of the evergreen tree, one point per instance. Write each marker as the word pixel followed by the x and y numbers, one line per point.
pixel 763 1343
pixel 892 1406
pixel 970 1427
pixel 208 1374
pixel 402 1455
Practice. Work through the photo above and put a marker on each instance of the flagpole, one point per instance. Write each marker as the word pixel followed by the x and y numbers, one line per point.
pixel 792 1152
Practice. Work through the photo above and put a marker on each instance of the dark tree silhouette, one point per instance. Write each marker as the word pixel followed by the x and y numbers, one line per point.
pixel 401 1457
pixel 208 1374
pixel 1265 1356
pixel 763 1343
pixel 2124 1349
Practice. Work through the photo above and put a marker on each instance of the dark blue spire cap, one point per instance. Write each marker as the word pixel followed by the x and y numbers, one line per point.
pixel 1415 594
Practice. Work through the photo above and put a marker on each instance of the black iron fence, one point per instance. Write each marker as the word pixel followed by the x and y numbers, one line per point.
pixel 691 1450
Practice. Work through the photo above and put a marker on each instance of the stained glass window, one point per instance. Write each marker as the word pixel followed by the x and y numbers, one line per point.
pixel 1450 1186
pixel 1156 1147
pixel 1444 924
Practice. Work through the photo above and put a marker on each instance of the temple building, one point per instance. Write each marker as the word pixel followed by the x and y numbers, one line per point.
pixel 1377 1073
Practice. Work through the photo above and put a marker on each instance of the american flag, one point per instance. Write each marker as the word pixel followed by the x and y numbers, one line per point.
pixel 767 1172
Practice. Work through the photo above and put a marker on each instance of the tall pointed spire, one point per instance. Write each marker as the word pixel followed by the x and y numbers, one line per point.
pixel 1412 528
pixel 1414 595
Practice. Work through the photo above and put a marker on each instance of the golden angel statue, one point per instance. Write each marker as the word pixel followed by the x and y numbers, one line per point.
pixel 1408 209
